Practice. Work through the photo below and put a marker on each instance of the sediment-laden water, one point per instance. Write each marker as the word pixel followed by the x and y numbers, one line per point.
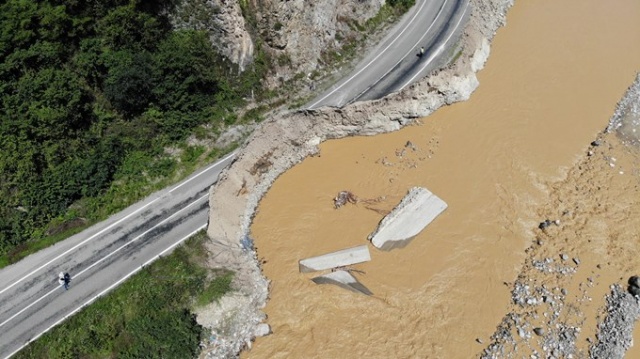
pixel 550 86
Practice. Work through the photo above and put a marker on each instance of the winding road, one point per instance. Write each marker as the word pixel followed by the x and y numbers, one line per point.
pixel 106 254
pixel 394 63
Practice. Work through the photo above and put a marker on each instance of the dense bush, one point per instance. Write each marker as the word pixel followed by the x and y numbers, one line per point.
pixel 402 4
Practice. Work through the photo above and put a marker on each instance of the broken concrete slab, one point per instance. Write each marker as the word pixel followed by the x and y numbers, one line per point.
pixel 344 279
pixel 340 258
pixel 416 210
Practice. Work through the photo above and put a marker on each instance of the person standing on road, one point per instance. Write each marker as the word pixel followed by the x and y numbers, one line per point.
pixel 421 51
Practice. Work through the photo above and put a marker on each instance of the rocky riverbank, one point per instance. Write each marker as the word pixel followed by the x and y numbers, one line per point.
pixel 287 138
pixel 571 298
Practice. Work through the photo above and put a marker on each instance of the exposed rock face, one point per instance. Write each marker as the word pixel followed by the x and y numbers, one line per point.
pixel 287 138
pixel 223 20
pixel 297 32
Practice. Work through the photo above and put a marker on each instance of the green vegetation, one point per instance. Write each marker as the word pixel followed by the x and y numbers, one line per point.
pixel 390 11
pixel 401 5
pixel 456 56
pixel 92 94
pixel 148 316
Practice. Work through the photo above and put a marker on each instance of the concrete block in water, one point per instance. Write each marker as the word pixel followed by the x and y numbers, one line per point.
pixel 416 210
pixel 343 279
pixel 340 258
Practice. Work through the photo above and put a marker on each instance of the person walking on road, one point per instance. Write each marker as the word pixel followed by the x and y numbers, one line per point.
pixel 421 51
pixel 64 279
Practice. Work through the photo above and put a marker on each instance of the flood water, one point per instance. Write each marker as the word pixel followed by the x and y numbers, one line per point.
pixel 554 76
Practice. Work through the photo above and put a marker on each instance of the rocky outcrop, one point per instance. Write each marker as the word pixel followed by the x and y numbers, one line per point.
pixel 287 138
pixel 224 22
pixel 297 33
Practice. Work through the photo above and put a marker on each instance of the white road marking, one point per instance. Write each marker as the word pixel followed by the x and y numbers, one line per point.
pixel 102 259
pixel 30 305
pixel 405 55
pixel 76 246
pixel 374 59
pixel 112 225
pixel 203 171
pixel 108 289
pixel 440 49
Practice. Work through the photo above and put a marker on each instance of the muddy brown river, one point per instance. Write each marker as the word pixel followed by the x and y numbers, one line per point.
pixel 554 76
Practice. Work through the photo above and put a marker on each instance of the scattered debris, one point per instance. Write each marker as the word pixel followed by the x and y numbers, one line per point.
pixel 634 285
pixel 343 198
pixel 262 165
pixel 576 260
pixel 547 222
pixel 410 145
pixel 615 333
pixel 243 189
pixel 544 224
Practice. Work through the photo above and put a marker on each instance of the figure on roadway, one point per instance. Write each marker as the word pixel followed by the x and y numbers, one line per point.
pixel 421 51
pixel 64 279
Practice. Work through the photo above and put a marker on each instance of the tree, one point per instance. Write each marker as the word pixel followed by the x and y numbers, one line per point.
pixel 184 72
pixel 129 82
pixel 125 28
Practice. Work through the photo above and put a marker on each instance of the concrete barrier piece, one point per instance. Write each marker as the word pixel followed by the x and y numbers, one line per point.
pixel 416 210
pixel 340 258
pixel 343 279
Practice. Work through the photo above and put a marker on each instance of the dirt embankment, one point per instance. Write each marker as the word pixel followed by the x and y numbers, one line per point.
pixel 287 138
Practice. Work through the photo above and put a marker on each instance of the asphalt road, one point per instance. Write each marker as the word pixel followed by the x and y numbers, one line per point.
pixel 106 254
pixel 394 64
pixel 99 258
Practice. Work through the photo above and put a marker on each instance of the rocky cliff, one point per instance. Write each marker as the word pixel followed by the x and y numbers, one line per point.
pixel 297 33
pixel 293 33
pixel 225 24
pixel 286 138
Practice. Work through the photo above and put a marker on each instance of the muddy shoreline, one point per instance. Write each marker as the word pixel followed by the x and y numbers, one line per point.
pixel 287 139
pixel 571 297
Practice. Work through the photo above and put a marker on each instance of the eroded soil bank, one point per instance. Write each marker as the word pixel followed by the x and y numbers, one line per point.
pixel 504 160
